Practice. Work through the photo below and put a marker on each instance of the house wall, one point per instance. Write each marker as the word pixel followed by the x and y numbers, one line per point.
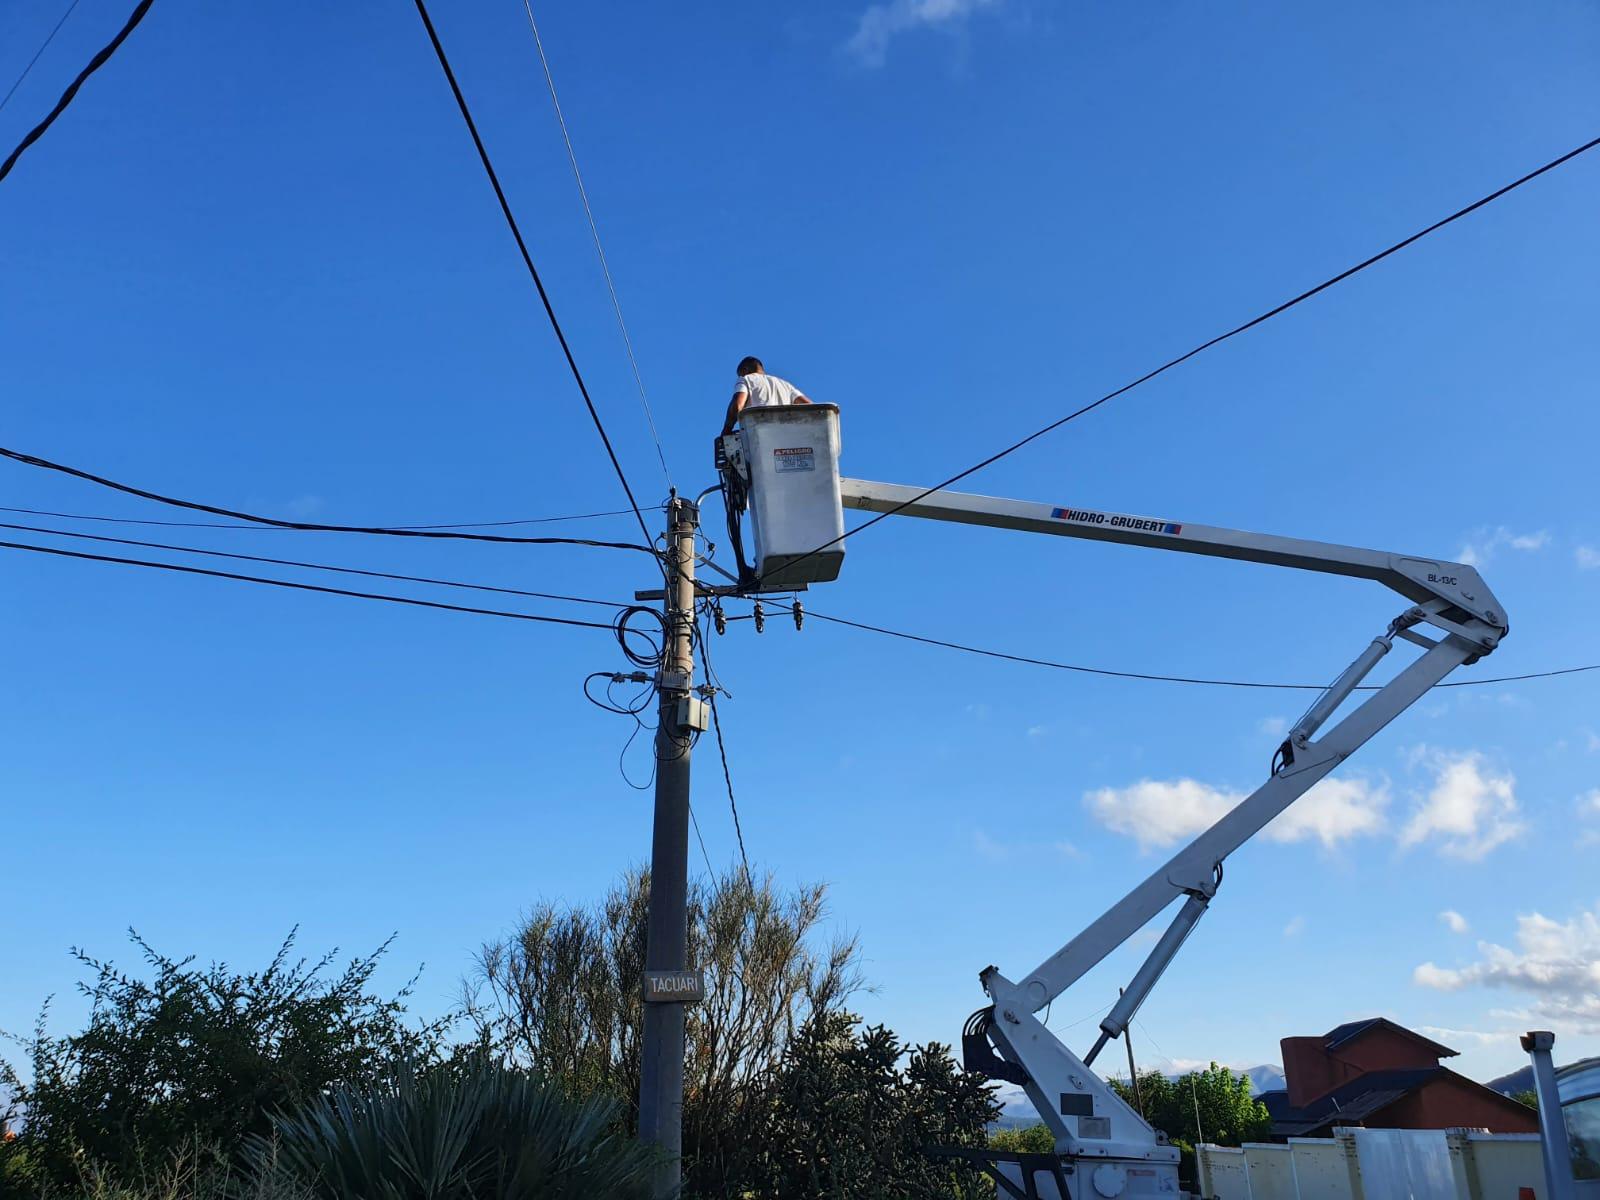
pixel 1308 1071
pixel 1380 1049
pixel 1451 1102
pixel 1312 1071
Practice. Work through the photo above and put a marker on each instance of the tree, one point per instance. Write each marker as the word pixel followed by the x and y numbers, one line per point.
pixel 562 994
pixel 1528 1097
pixel 775 1069
pixel 1213 1105
pixel 850 1121
pixel 1030 1139
pixel 198 1057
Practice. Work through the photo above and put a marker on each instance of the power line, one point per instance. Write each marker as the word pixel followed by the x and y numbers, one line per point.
pixel 738 830
pixel 594 230
pixel 390 531
pixel 311 566
pixel 1152 677
pixel 303 587
pixel 67 516
pixel 95 63
pixel 702 635
pixel 527 259
pixel 50 37
pixel 1204 346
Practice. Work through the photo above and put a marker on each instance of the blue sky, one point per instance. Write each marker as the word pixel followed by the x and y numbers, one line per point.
pixel 257 264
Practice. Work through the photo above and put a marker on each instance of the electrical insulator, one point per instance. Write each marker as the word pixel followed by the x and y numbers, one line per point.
pixel 721 620
pixel 799 613
pixel 760 618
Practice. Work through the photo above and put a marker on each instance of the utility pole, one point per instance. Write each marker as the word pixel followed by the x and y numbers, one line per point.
pixel 669 983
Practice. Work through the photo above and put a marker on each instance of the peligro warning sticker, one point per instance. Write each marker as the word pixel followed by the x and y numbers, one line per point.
pixel 796 458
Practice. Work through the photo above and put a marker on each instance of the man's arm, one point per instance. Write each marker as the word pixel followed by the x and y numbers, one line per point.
pixel 799 399
pixel 735 407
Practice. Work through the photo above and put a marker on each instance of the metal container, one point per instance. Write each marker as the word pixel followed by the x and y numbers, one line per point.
pixel 792 454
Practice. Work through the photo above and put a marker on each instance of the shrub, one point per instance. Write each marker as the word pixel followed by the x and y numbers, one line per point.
pixel 849 1120
pixel 197 1057
pixel 476 1130
pixel 1030 1139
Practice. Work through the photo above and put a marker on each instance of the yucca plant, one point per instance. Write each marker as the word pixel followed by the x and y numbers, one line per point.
pixel 473 1131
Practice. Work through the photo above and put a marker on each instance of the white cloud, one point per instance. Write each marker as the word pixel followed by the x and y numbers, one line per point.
pixel 1454 921
pixel 302 507
pixel 1160 813
pixel 1038 731
pixel 1274 727
pixel 1481 547
pixel 1295 927
pixel 1588 558
pixel 1333 811
pixel 1556 962
pixel 1164 812
pixel 1429 976
pixel 881 23
pixel 1470 810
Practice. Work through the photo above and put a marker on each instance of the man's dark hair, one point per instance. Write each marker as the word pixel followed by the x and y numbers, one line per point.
pixel 749 364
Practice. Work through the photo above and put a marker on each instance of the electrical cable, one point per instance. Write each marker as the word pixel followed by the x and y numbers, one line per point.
pixel 303 587
pixel 95 63
pixel 594 230
pixel 733 805
pixel 1204 346
pixel 703 638
pixel 1152 677
pixel 711 872
pixel 311 566
pixel 650 660
pixel 389 531
pixel 67 516
pixel 609 703
pixel 527 259
pixel 36 55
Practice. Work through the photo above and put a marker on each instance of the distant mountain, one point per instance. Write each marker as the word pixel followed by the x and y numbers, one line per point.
pixel 1519 1080
pixel 1016 1110
pixel 1266 1078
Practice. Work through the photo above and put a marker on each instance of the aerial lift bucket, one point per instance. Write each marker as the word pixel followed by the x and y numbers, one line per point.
pixel 791 462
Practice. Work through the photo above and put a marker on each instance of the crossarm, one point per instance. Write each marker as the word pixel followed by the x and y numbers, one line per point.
pixel 1417 579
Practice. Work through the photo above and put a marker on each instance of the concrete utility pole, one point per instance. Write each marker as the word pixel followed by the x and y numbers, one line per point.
pixel 669 983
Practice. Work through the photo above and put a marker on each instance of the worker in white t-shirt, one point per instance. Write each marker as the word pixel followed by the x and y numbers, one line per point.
pixel 756 389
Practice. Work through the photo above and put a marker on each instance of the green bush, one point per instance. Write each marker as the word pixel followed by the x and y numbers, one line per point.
pixel 1031 1139
pixel 186 1063
pixel 187 1173
pixel 473 1131
pixel 849 1119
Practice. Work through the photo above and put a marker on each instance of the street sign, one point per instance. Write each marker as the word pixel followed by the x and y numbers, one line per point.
pixel 674 987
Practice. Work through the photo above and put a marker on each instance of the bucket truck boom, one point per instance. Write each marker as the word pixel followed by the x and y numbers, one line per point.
pixel 1104 1148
